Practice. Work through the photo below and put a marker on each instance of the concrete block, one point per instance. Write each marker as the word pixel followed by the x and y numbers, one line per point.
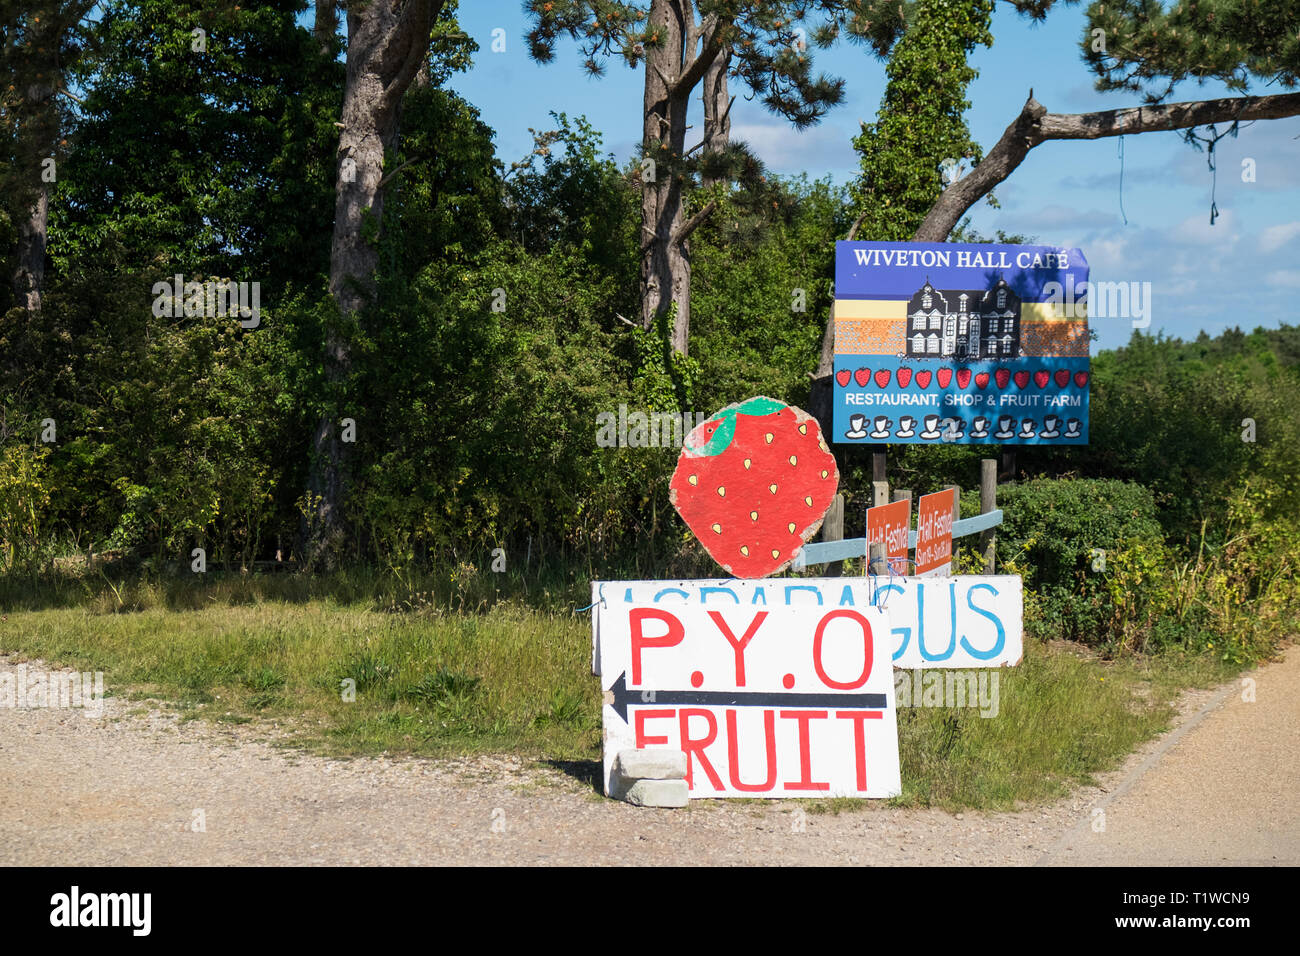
pixel 651 764
pixel 658 793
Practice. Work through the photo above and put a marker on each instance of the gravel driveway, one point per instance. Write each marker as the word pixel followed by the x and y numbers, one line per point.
pixel 134 789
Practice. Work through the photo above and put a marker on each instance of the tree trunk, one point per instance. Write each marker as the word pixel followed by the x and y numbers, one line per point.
pixel 37 134
pixel 673 69
pixel 717 110
pixel 1033 126
pixel 665 266
pixel 326 26
pixel 387 43
pixel 29 276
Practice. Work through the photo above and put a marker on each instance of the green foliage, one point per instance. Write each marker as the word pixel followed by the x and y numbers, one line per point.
pixel 217 162
pixel 168 429
pixel 760 295
pixel 1172 415
pixel 479 380
pixel 576 198
pixel 444 202
pixel 663 378
pixel 770 41
pixel 462 400
pixel 1233 41
pixel 1238 599
pixel 1102 572
pixel 25 486
pixel 921 123
pixel 1054 530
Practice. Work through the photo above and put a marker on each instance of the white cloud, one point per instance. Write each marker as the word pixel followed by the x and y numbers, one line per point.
pixel 818 150
pixel 1060 216
pixel 1107 255
pixel 1270 144
pixel 1197 231
pixel 1287 278
pixel 1275 237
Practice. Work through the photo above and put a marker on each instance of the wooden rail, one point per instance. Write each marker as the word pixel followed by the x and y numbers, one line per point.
pixel 831 549
pixel 824 552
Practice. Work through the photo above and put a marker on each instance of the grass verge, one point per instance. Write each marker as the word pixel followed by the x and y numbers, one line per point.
pixel 430 682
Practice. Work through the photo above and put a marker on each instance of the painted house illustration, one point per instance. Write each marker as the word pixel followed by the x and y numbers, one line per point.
pixel 964 324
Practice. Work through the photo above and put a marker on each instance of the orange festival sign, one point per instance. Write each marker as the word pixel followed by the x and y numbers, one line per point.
pixel 888 525
pixel 934 518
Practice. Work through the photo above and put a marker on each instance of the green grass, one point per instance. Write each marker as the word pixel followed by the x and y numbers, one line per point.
pixel 516 679
pixel 1062 718
pixel 428 683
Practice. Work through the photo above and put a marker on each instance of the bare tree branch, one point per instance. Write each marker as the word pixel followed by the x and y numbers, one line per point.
pixel 690 225
pixel 690 77
pixel 1035 125
pixel 857 224
pixel 410 162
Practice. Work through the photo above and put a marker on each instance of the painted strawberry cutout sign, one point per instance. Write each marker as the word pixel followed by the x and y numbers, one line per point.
pixel 753 483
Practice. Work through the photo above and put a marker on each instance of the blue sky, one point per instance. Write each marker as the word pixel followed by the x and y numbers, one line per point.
pixel 1240 271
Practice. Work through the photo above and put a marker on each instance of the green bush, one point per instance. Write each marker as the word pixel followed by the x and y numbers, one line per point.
pixel 24 499
pixel 1240 598
pixel 1194 422
pixel 1063 535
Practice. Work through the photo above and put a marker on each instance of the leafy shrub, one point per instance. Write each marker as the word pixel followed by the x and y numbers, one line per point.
pixel 24 497
pixel 1240 598
pixel 1173 416
pixel 1097 570
pixel 1055 532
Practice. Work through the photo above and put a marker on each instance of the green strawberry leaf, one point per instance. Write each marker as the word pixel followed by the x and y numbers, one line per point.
pixel 760 406
pixel 716 440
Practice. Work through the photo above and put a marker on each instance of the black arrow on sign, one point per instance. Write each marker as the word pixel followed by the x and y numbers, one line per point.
pixel 736 698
